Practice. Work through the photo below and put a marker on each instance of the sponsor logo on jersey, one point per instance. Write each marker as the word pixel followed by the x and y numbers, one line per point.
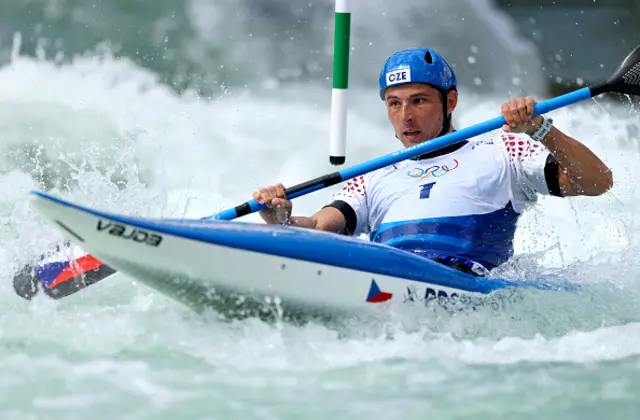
pixel 434 171
pixel 398 76
pixel 482 142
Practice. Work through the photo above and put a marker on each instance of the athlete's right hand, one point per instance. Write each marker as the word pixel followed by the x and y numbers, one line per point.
pixel 278 209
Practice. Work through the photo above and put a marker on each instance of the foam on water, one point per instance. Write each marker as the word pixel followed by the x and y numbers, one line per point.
pixel 103 132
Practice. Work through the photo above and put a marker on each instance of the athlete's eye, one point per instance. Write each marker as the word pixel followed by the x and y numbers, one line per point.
pixel 418 101
pixel 394 104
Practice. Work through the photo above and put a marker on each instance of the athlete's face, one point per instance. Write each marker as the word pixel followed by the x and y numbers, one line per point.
pixel 415 111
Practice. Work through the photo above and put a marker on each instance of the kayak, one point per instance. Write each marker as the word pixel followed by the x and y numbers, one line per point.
pixel 223 264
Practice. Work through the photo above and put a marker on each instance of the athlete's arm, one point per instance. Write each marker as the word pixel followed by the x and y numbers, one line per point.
pixel 580 171
pixel 329 219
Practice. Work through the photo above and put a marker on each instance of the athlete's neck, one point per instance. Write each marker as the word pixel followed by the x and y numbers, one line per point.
pixel 443 151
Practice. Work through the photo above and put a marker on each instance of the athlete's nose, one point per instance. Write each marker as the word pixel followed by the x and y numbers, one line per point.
pixel 407 113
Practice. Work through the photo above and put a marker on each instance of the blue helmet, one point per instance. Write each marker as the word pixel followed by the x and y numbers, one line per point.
pixel 417 65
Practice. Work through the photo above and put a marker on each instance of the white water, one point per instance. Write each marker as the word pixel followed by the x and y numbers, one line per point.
pixel 125 143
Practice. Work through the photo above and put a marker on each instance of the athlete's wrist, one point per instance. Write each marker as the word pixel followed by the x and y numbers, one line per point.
pixel 536 123
pixel 542 127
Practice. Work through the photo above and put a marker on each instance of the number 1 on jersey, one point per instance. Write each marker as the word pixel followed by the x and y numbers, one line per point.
pixel 425 190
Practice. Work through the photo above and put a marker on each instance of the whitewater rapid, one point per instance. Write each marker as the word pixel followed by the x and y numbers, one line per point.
pixel 106 133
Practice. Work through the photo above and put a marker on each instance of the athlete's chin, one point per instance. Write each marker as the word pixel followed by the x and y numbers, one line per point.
pixel 409 141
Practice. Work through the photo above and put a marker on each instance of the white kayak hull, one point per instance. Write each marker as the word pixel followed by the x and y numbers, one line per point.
pixel 198 262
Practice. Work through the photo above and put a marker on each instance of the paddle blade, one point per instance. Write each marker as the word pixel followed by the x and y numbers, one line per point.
pixel 626 78
pixel 62 278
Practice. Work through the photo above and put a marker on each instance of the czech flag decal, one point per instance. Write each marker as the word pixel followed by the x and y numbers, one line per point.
pixel 55 273
pixel 377 296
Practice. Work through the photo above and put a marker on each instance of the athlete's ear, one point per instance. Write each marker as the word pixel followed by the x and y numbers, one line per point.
pixel 452 100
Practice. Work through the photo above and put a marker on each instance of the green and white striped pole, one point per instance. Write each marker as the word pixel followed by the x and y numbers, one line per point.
pixel 338 133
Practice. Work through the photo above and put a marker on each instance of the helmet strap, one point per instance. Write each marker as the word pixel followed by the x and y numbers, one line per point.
pixel 446 116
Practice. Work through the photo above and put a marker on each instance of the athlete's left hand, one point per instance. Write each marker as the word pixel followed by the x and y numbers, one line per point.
pixel 518 113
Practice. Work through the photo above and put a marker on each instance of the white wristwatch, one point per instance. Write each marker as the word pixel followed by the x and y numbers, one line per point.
pixel 543 130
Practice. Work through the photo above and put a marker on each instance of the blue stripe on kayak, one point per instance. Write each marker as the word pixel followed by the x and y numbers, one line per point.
pixel 319 247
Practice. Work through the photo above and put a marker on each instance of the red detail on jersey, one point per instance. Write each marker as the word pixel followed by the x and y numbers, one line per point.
pixel 355 185
pixel 523 148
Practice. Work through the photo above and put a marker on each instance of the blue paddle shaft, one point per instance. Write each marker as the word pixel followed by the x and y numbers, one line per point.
pixel 410 152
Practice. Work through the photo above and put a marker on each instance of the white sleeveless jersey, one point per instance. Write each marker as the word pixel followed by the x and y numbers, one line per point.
pixel 462 204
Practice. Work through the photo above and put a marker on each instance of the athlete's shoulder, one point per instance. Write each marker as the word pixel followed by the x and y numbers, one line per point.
pixel 512 144
pixel 373 176
pixel 359 184
pixel 484 141
pixel 519 147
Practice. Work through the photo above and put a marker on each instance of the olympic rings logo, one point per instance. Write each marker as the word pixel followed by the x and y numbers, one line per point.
pixel 436 171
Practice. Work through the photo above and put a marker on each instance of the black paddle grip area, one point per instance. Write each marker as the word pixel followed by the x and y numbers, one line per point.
pixel 325 181
pixel 243 209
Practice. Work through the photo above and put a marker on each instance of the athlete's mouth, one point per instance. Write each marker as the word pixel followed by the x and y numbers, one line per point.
pixel 411 133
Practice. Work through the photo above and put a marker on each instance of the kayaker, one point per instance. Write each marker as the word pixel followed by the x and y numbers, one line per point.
pixel 459 205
